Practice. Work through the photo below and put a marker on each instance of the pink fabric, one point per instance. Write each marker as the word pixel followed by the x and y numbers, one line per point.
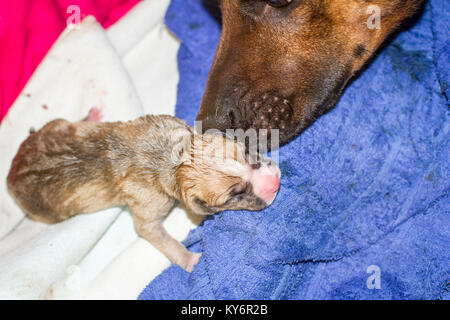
pixel 28 28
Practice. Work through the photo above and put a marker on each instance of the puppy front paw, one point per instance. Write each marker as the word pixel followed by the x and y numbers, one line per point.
pixel 190 260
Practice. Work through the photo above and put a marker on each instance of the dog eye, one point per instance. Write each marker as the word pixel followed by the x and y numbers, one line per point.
pixel 278 3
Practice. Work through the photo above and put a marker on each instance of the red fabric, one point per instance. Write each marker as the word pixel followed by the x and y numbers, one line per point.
pixel 28 28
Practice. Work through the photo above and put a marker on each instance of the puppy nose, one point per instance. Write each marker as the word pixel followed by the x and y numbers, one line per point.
pixel 266 182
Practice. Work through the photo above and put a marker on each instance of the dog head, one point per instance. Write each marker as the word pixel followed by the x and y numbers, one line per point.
pixel 282 63
pixel 216 174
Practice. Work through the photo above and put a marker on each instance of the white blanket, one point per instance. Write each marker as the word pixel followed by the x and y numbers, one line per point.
pixel 127 71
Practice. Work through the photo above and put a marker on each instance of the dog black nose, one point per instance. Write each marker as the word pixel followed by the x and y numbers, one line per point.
pixel 225 117
pixel 230 117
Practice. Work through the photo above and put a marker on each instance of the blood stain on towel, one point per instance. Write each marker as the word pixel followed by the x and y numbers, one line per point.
pixel 430 176
pixel 50 293
pixel 45 107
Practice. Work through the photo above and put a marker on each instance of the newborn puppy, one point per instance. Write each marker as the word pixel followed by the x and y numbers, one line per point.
pixel 68 168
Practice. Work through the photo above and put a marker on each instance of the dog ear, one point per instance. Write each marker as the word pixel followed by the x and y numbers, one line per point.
pixel 181 142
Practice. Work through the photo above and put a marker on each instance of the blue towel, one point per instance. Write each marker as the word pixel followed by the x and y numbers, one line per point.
pixel 364 192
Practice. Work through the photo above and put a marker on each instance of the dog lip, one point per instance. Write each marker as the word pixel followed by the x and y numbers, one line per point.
pixel 269 109
pixel 326 105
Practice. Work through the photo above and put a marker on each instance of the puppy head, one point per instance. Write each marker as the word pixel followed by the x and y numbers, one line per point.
pixel 215 174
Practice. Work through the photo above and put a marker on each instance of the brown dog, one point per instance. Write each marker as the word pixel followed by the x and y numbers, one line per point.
pixel 69 168
pixel 282 63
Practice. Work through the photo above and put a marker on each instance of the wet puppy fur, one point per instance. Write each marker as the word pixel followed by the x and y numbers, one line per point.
pixel 67 168
pixel 280 64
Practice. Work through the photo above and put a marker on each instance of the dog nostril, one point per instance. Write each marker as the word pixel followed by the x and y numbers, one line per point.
pixel 232 117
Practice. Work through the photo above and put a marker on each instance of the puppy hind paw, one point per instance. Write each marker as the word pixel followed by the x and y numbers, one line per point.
pixel 190 261
pixel 95 115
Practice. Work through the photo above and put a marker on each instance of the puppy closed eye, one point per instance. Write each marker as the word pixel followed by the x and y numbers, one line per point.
pixel 238 193
pixel 202 204
pixel 239 190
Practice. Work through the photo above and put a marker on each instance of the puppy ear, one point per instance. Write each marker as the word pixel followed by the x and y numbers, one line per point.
pixel 181 142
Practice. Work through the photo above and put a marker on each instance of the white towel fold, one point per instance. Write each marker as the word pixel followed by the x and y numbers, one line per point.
pixel 127 71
